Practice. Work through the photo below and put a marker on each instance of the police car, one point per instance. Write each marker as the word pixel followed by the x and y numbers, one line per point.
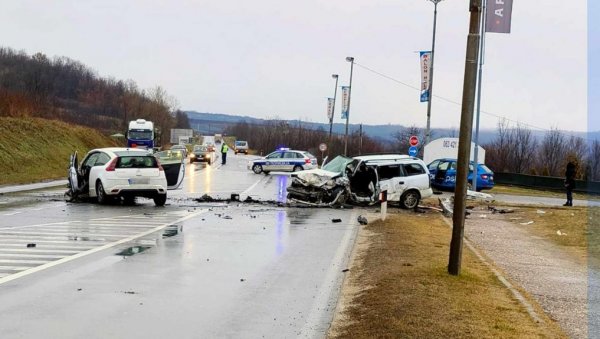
pixel 283 159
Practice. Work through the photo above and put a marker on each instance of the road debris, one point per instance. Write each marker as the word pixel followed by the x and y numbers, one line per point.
pixel 527 223
pixel 362 220
pixel 336 220
pixel 31 245
pixel 345 270
pixel 540 212
pixel 495 210
pixel 559 233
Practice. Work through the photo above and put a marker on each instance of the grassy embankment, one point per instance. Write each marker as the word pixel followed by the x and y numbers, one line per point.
pixel 398 287
pixel 34 150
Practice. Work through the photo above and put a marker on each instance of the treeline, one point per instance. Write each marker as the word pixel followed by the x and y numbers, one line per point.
pixel 516 150
pixel 274 134
pixel 64 89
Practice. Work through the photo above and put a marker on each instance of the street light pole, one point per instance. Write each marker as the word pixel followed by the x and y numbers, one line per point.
pixel 430 89
pixel 351 61
pixel 335 76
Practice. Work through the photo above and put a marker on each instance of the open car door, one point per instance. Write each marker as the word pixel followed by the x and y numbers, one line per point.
pixel 173 162
pixel 74 190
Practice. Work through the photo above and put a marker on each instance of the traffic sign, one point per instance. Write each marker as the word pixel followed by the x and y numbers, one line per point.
pixel 414 140
pixel 412 151
pixel 323 147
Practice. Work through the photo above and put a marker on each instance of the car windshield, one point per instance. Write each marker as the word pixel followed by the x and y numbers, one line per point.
pixel 337 164
pixel 140 135
pixel 240 143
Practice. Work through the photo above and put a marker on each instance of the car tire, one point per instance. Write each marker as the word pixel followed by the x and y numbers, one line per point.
pixel 160 200
pixel 298 168
pixel 257 169
pixel 410 199
pixel 100 193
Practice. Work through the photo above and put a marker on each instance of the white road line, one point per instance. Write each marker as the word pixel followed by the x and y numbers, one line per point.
pixel 27 240
pixel 63 234
pixel 95 250
pixel 37 251
pixel 30 255
pixel 23 262
pixel 251 187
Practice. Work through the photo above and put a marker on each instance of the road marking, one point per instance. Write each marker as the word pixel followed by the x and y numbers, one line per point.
pixel 252 187
pixel 47 265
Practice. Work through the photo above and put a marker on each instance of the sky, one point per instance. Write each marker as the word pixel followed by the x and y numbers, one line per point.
pixel 273 58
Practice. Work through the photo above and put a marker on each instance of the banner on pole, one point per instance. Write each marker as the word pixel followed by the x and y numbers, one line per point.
pixel 330 108
pixel 425 71
pixel 498 16
pixel 345 101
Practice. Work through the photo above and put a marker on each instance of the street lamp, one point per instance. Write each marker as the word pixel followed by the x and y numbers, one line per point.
pixel 334 76
pixel 430 90
pixel 351 61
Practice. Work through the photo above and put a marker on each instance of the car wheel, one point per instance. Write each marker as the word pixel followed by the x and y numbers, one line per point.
pixel 410 199
pixel 298 168
pixel 160 200
pixel 100 193
pixel 257 169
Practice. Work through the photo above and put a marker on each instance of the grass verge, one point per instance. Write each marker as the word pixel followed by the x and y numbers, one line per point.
pixel 524 191
pixel 398 287
pixel 38 149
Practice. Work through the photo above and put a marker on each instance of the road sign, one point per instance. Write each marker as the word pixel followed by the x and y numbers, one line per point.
pixel 322 147
pixel 412 151
pixel 414 140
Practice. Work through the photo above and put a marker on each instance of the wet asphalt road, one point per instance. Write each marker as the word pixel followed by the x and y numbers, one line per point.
pixel 225 270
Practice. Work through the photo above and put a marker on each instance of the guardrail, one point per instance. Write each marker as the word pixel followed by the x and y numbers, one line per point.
pixel 554 183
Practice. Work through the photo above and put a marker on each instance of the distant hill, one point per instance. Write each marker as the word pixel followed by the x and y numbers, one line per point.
pixel 210 123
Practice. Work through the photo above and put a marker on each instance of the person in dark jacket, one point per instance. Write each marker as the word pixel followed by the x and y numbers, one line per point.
pixel 570 182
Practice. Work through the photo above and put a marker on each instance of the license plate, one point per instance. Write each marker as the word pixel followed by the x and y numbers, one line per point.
pixel 138 181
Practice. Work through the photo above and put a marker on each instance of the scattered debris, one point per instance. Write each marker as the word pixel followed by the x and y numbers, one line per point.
pixel 205 198
pixel 31 245
pixel 431 208
pixel 516 218
pixel 447 206
pixel 79 289
pixel 527 223
pixel 128 292
pixel 235 197
pixel 541 212
pixel 479 196
pixel 242 280
pixel 560 233
pixel 345 270
pixel 407 264
pixel 227 217
pixel 500 210
pixel 483 216
pixel 336 220
pixel 362 220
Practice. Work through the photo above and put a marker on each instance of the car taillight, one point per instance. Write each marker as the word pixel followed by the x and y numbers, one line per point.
pixel 112 165
pixel 307 161
pixel 484 176
pixel 160 168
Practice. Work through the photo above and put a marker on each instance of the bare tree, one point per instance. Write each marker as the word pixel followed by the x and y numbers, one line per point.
pixel 522 149
pixel 552 152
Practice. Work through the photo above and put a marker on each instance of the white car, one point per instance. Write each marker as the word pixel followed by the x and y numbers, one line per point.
pixel 283 159
pixel 110 173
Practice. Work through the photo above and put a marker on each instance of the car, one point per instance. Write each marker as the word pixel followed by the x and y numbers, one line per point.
pixel 283 159
pixel 442 174
pixel 240 146
pixel 202 153
pixel 180 147
pixel 113 173
pixel 404 178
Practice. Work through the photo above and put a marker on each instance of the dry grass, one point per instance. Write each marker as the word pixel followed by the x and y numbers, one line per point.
pixel 516 190
pixel 37 149
pixel 402 289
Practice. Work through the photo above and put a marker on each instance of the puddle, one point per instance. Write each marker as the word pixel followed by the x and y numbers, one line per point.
pixel 133 250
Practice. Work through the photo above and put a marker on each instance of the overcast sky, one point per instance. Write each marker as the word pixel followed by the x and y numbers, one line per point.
pixel 274 58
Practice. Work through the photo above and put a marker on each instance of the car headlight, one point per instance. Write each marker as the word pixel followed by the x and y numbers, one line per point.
pixel 192 155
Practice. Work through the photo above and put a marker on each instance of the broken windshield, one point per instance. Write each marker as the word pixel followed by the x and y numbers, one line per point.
pixel 338 164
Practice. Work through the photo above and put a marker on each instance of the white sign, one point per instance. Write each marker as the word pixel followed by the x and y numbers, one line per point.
pixel 425 75
pixel 345 101
pixel 330 103
pixel 448 148
pixel 322 147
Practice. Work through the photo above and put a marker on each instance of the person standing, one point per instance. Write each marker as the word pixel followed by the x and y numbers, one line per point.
pixel 224 149
pixel 570 182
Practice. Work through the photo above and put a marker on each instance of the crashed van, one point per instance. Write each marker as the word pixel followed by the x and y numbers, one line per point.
pixel 111 174
pixel 361 179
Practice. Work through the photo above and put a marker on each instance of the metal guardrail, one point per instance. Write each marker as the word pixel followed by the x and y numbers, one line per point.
pixel 554 183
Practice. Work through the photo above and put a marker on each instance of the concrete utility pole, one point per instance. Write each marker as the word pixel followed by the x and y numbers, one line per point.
pixel 360 134
pixel 464 143
pixel 351 61
pixel 430 89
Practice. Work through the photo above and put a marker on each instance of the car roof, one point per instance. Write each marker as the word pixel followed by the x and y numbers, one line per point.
pixel 376 157
pixel 410 160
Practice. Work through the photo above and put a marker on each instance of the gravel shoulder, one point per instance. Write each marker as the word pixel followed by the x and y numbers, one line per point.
pixel 553 277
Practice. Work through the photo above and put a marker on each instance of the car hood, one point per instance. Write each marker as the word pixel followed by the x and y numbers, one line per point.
pixel 316 177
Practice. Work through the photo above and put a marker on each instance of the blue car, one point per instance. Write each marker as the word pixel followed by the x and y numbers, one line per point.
pixel 442 173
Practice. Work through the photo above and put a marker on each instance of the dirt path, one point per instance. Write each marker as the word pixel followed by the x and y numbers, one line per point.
pixel 556 280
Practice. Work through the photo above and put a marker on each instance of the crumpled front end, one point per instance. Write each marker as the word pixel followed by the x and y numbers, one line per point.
pixel 318 188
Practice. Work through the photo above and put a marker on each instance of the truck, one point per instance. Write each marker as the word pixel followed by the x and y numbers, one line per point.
pixel 218 138
pixel 141 134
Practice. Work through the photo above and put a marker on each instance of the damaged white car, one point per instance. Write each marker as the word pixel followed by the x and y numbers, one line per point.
pixel 360 180
pixel 110 174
